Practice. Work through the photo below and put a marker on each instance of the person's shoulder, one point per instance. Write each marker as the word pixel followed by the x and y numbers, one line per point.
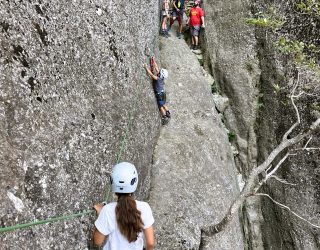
pixel 110 206
pixel 141 205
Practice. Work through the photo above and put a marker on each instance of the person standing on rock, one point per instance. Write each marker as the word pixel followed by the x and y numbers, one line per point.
pixel 158 87
pixel 165 15
pixel 196 21
pixel 177 14
pixel 123 225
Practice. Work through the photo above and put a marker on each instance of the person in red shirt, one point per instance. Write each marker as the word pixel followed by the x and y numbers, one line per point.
pixel 196 21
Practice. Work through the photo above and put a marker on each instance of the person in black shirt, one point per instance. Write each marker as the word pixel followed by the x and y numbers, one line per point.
pixel 177 14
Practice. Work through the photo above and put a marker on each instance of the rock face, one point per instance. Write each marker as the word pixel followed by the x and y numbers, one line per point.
pixel 281 229
pixel 193 172
pixel 74 99
pixel 257 79
pixel 231 57
pixel 70 76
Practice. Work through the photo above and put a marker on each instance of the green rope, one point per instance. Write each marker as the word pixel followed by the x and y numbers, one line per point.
pixel 75 215
pixel 39 222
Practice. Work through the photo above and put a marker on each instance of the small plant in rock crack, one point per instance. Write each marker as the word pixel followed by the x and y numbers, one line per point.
pixel 277 89
pixel 231 136
pixel 214 88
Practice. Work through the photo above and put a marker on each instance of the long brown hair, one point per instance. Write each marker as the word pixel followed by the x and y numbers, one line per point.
pixel 128 217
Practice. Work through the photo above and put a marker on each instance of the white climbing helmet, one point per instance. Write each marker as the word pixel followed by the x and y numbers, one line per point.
pixel 124 178
pixel 163 73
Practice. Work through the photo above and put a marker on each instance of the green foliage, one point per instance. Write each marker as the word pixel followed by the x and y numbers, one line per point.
pixel 298 47
pixel 265 22
pixel 249 67
pixel 271 19
pixel 315 106
pixel 231 136
pixel 287 46
pixel 304 54
pixel 260 101
pixel 277 89
pixel 301 53
pixel 214 88
pixel 310 7
pixel 260 104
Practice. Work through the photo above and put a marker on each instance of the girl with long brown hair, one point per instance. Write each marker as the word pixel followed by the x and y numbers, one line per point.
pixel 124 224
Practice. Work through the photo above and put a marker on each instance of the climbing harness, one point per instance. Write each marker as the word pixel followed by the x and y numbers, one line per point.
pixel 161 96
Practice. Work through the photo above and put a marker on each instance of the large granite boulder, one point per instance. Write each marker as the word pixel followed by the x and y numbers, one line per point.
pixel 194 178
pixel 71 76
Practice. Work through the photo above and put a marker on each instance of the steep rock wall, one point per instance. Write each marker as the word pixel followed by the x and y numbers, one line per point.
pixel 70 74
pixel 228 40
pixel 281 229
pixel 231 57
pixel 193 174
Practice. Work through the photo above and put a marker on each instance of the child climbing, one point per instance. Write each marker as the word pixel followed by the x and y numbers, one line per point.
pixel 165 15
pixel 158 87
pixel 196 22
pixel 124 222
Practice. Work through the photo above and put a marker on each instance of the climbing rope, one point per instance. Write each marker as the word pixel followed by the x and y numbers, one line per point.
pixel 39 222
pixel 88 212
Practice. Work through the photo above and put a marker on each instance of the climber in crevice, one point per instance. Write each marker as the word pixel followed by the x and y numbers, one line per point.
pixel 121 225
pixel 158 87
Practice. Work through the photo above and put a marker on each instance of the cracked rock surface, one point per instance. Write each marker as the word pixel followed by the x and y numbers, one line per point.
pixel 193 180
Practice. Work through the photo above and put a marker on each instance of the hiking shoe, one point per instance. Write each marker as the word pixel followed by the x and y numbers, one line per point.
pixel 192 47
pixel 168 114
pixel 163 33
pixel 179 35
pixel 164 120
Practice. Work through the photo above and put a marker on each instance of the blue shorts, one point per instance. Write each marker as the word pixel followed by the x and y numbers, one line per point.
pixel 161 98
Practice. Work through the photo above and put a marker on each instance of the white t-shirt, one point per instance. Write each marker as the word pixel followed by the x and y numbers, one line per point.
pixel 107 225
